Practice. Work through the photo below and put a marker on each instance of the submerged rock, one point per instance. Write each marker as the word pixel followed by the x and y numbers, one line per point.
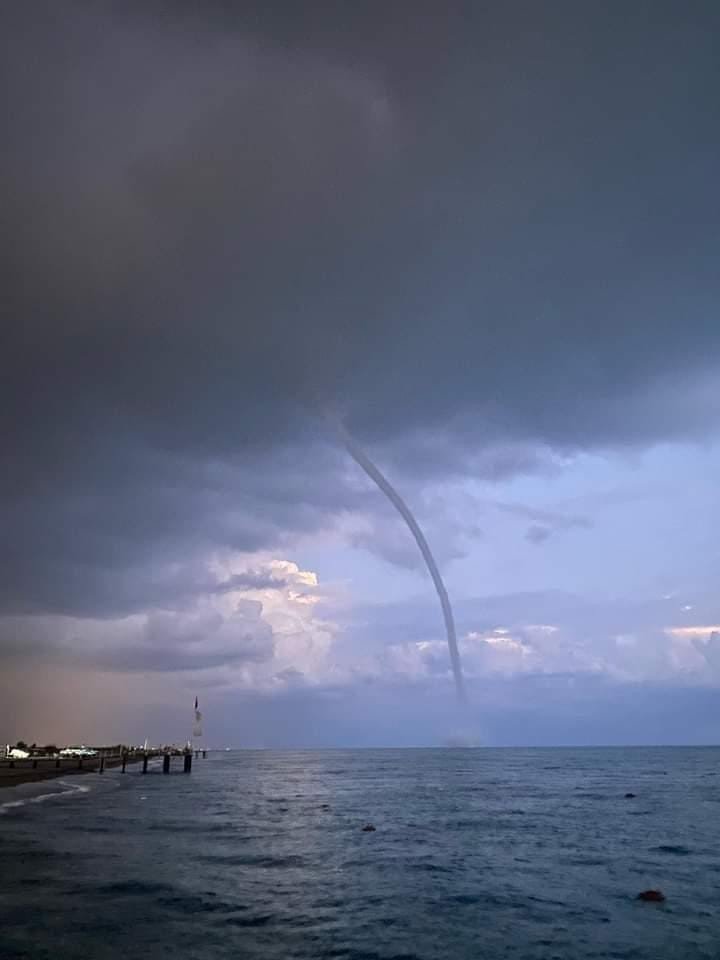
pixel 651 896
pixel 368 828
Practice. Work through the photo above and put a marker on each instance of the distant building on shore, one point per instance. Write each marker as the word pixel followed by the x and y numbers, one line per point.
pixel 81 751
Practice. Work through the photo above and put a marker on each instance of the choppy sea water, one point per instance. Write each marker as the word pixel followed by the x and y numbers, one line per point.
pixel 477 853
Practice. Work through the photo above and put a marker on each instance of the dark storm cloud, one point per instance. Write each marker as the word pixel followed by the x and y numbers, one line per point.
pixel 137 533
pixel 167 643
pixel 250 580
pixel 163 641
pixel 493 224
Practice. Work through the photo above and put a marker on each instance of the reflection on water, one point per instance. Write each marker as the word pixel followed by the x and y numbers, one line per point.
pixel 477 853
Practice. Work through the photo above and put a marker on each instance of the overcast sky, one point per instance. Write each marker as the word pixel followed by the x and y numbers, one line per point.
pixel 486 236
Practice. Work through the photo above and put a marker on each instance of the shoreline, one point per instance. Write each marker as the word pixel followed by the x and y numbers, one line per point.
pixel 28 771
pixel 36 776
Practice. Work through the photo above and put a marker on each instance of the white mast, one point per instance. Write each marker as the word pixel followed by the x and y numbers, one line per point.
pixel 197 726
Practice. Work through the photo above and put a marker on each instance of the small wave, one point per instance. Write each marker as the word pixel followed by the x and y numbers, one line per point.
pixel 545 900
pixel 256 921
pixel 188 903
pixel 678 850
pixel 92 828
pixel 228 828
pixel 238 860
pixel 71 789
pixel 135 888
pixel 364 955
pixel 430 867
pixel 466 899
pixel 349 953
pixel 584 862
pixel 74 787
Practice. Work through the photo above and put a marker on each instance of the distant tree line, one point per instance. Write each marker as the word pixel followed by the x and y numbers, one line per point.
pixel 52 750
pixel 49 750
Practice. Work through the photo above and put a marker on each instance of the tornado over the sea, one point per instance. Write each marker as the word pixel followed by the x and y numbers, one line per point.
pixel 362 459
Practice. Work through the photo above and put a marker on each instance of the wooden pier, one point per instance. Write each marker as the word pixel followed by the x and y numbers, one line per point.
pixel 30 769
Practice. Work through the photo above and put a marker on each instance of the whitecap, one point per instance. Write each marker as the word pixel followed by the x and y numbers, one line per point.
pixel 71 789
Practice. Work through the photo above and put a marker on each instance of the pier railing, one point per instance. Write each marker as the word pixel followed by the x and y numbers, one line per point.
pixel 30 768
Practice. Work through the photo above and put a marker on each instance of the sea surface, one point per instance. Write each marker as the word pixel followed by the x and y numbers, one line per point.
pixel 482 853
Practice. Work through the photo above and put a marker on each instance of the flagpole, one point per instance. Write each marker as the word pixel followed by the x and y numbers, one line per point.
pixel 197 725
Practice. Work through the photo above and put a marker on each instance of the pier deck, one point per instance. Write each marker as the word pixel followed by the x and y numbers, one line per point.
pixel 13 772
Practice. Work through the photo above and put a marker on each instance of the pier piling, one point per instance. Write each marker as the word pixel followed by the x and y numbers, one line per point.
pixel 100 760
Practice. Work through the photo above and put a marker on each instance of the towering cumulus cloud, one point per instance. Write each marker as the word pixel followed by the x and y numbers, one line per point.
pixel 361 458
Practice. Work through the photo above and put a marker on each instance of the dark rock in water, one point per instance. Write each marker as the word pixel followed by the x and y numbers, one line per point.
pixel 651 896
pixel 630 796
pixel 368 828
